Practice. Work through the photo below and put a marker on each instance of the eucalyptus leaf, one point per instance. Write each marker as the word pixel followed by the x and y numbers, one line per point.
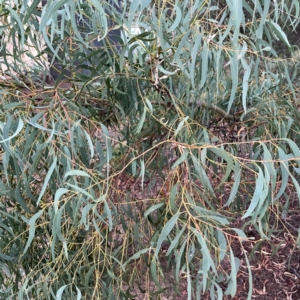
pixel 32 229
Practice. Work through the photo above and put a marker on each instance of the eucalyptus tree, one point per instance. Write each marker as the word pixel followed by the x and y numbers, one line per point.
pixel 168 142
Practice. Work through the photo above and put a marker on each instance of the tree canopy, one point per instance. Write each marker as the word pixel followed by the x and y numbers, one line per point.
pixel 171 128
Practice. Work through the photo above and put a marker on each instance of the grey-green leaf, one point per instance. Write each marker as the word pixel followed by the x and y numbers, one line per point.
pixel 31 224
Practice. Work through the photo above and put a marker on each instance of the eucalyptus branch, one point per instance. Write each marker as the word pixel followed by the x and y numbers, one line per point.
pixel 215 108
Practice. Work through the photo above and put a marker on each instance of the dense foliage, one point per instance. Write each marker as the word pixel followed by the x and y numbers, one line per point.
pixel 156 157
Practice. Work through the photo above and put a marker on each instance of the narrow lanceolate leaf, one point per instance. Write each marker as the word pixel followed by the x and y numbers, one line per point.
pixel 103 18
pixel 194 56
pixel 19 128
pixel 142 173
pixel 284 168
pixel 47 178
pixel 49 11
pixel 207 260
pixel 178 258
pixel 204 213
pixel 137 255
pixel 31 224
pixel 297 186
pixel 240 233
pixel 14 104
pixel 107 212
pixel 90 143
pixel 149 105
pixel 184 43
pixel 250 280
pixel 181 159
pixel 180 125
pixel 269 166
pixel 222 244
pixel 232 285
pixel 202 175
pixel 279 32
pixel 177 19
pixel 247 73
pixel 204 64
pixel 38 126
pixel 189 283
pixel 76 173
pixel 60 292
pixel 295 149
pixel 165 232
pixel 56 229
pixel 85 213
pixel 220 292
pixel 74 24
pixel 235 78
pixel 60 192
pixel 15 16
pixel 153 208
pixel 80 190
pixel 6 257
pixel 259 186
pixel 134 8
pixel 153 271
pixel 52 133
pixel 30 10
pixel 263 15
pixel 164 71
pixel 20 199
pixel 224 155
pixel 175 240
pixel 78 293
pixel 141 122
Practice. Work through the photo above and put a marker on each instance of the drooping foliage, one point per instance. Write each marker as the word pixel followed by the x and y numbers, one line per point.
pixel 172 127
